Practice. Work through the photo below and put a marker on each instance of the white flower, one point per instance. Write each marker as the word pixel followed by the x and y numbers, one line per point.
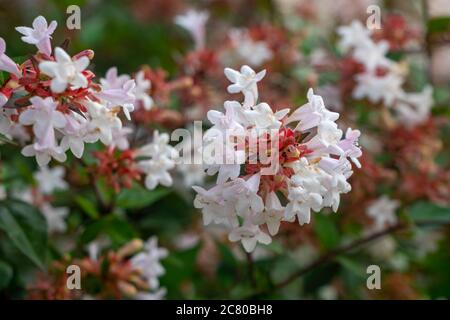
pixel 305 191
pixel 44 155
pixel 103 122
pixel 373 56
pixel 49 180
pixel 141 90
pixel 122 96
pixel 6 63
pixel 382 211
pixel 112 80
pixel 76 134
pixel 244 195
pixel 148 262
pixel 55 218
pixel 255 53
pixel 39 35
pixel 249 235
pixel 120 138
pixel 353 35
pixel 65 72
pixel 245 81
pixel 414 108
pixel 214 207
pixel 312 113
pixel 273 213
pixel 45 118
pixel 378 89
pixel 194 22
pixel 263 117
pixel 159 158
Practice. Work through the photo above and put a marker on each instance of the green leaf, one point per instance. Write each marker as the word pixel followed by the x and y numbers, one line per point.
pixel 326 231
pixel 352 266
pixel 430 212
pixel 26 228
pixel 139 197
pixel 440 24
pixel 118 230
pixel 88 207
pixel 6 273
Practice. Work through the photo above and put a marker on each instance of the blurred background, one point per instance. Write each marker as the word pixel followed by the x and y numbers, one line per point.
pixel 408 164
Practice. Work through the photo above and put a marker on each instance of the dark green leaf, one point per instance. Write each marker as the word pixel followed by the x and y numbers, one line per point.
pixel 87 206
pixel 6 273
pixel 26 228
pixel 429 212
pixel 139 197
pixel 326 230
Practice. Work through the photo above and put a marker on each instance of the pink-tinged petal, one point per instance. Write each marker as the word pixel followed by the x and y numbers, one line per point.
pixel 46 139
pixel 49 68
pixel 26 31
pixel 77 147
pixel 40 23
pixel 52 27
pixel 8 65
pixel 81 63
pixel 253 182
pixel 111 74
pixel 42 159
pixel 3 100
pixel 45 46
pixel 58 86
pixel 28 151
pixel 264 238
pixel 62 56
pixel 59 120
pixel 231 74
pixel 129 85
pixel 260 75
pixel 249 244
pixel 150 182
pixel 28 117
pixel 234 88
pixel 2 46
pixel 59 155
pixel 38 102
pixel 214 116
pixel 80 81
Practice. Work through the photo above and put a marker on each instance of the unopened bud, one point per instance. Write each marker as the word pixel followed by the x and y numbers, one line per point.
pixel 130 248
pixel 127 288
pixel 139 282
pixel 85 53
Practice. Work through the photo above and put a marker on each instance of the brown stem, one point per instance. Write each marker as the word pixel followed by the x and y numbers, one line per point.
pixel 330 255
pixel 251 269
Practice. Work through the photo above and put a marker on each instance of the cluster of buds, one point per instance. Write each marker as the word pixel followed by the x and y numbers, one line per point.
pixel 380 79
pixel 272 171
pixel 131 272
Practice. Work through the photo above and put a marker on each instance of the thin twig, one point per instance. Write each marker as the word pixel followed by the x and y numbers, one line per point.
pixel 251 269
pixel 330 255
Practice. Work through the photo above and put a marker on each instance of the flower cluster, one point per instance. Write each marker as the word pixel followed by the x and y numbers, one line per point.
pixel 309 162
pixel 54 94
pixel 382 78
